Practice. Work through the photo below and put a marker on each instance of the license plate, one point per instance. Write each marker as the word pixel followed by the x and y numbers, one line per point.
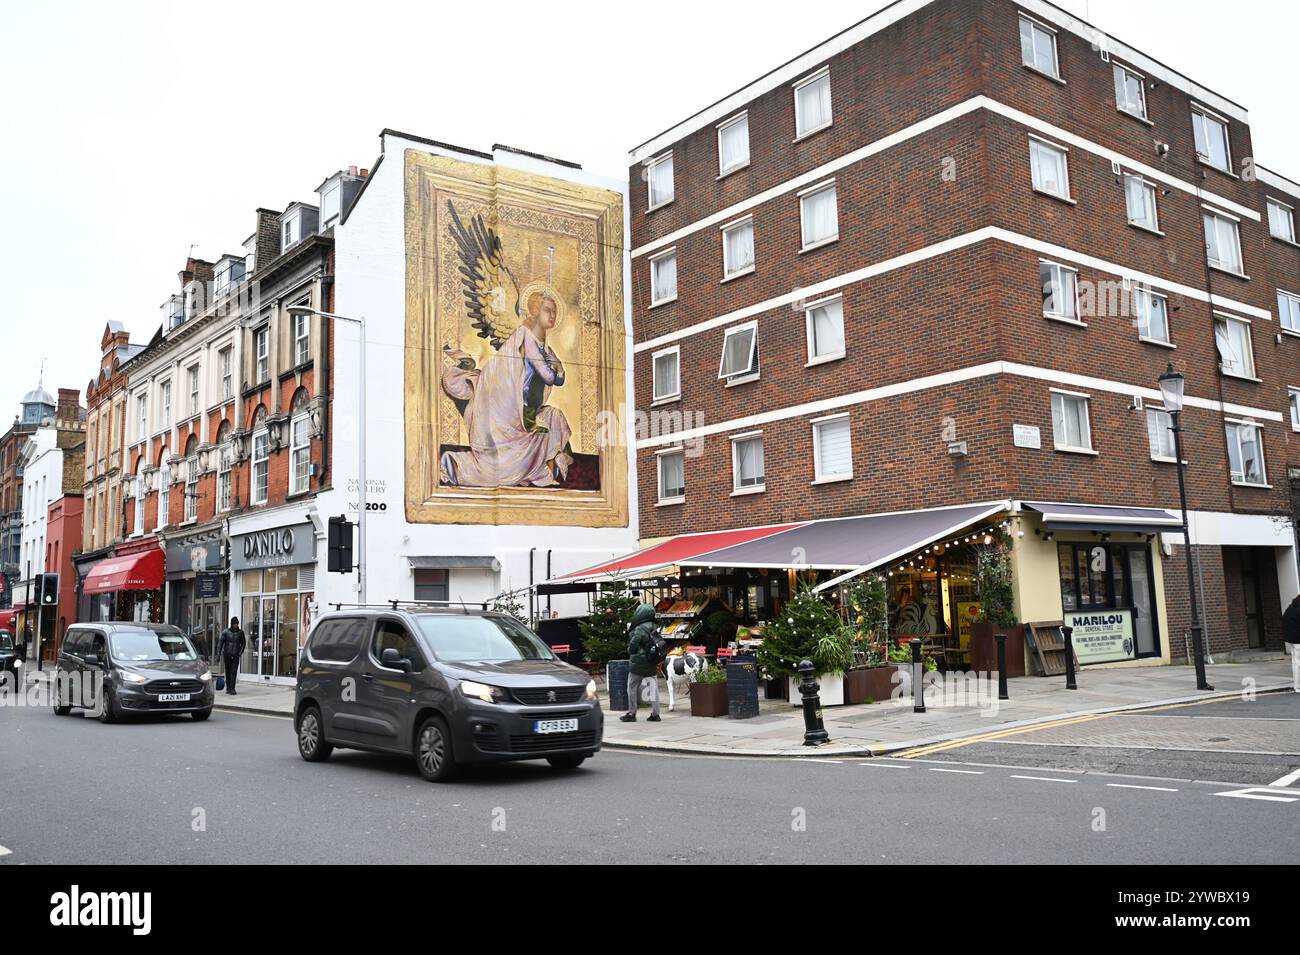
pixel 555 726
pixel 173 697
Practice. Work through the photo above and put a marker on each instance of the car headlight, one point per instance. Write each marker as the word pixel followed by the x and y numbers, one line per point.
pixel 591 690
pixel 481 691
pixel 205 676
pixel 127 676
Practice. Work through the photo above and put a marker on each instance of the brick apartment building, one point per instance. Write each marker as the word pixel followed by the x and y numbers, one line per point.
pixel 226 442
pixel 941 259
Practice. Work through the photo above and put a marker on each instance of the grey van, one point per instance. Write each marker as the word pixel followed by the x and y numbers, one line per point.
pixel 448 687
pixel 138 668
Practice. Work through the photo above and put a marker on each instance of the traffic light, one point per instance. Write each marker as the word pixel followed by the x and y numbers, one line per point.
pixel 340 545
pixel 48 589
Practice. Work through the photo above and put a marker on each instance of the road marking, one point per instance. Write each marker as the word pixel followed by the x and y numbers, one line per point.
pixel 811 759
pixel 1288 779
pixel 1046 779
pixel 966 772
pixel 1259 792
pixel 1158 789
pixel 993 735
pixel 872 762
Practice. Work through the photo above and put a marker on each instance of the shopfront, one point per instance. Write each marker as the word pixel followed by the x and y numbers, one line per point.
pixel 274 571
pixel 128 585
pixel 197 597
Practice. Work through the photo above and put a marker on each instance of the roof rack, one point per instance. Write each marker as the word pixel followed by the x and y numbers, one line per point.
pixel 399 604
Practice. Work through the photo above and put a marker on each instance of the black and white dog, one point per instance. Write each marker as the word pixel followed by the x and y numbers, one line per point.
pixel 682 670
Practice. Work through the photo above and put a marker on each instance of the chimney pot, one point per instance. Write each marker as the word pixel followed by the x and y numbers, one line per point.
pixel 352 170
pixel 365 173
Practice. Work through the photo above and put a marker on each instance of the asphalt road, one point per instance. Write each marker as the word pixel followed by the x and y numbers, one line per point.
pixel 75 791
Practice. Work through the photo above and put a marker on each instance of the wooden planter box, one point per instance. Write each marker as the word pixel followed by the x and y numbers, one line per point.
pixel 708 699
pixel 984 649
pixel 869 683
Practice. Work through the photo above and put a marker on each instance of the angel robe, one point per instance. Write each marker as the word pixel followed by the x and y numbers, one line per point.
pixel 515 438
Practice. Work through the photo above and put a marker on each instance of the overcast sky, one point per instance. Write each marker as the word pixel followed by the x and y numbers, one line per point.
pixel 132 132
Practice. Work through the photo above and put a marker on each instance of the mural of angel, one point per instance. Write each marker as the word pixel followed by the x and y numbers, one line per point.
pixel 515 438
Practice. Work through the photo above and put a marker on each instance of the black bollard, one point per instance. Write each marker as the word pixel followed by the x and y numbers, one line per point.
pixel 918 677
pixel 1001 638
pixel 1066 633
pixel 814 731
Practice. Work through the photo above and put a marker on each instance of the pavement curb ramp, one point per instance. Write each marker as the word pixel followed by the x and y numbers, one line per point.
pixel 888 749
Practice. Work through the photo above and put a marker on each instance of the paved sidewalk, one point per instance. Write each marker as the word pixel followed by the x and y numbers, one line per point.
pixel 889 726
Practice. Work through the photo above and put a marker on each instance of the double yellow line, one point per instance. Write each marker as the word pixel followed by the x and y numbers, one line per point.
pixel 986 737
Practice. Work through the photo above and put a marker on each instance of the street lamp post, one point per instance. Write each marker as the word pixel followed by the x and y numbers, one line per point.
pixel 1171 390
pixel 361 439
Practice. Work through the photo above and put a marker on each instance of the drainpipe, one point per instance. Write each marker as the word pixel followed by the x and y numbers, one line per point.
pixel 549 551
pixel 532 594
pixel 323 387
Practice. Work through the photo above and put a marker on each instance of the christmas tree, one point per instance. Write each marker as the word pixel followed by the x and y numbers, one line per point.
pixel 797 635
pixel 604 633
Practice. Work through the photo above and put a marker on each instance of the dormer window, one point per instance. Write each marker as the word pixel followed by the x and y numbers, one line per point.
pixel 330 204
pixel 297 223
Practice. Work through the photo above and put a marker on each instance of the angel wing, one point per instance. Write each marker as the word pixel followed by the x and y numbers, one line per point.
pixel 491 292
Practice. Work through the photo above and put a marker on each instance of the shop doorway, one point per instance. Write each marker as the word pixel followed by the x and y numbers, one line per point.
pixel 1108 576
pixel 1252 598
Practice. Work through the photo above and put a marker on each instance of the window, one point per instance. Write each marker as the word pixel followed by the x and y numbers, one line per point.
pixel 299 453
pixel 193 372
pixel 1140 197
pixel 1211 135
pixel 818 216
pixel 1130 96
pixel 139 505
pixel 738 248
pixel 663 277
pixel 262 348
pixel 747 462
pixel 164 493
pixel 142 417
pixel 812 104
pixel 1159 423
pixel 225 461
pixel 329 203
pixel 1152 312
pixel 1246 452
pixel 672 476
pixel 227 373
pixel 432 585
pixel 1288 310
pixel 1222 241
pixel 191 488
pixel 667 374
pixel 659 176
pixel 301 337
pixel 261 466
pixel 825 322
pixel 832 449
pixel 1070 428
pixel 733 144
pixel 1060 287
pixel 1038 47
pixel 739 354
pixel 165 395
pixel 1293 399
pixel 391 635
pixel 1281 221
pixel 1232 335
pixel 1048 166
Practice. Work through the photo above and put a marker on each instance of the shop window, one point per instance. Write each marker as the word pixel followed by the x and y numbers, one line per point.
pixel 733 144
pixel 659 177
pixel 1101 576
pixel 812 104
pixel 433 585
pixel 1038 47
pixel 390 635
pixel 739 354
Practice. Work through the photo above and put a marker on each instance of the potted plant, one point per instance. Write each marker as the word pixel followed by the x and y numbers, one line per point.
pixel 709 692
pixel 996 595
pixel 809 628
pixel 866 606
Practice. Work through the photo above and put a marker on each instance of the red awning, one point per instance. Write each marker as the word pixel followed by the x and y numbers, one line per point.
pixel 673 550
pixel 142 571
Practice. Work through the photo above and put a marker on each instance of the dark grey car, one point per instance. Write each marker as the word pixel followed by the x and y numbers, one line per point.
pixel 447 687
pixel 10 660
pixel 117 669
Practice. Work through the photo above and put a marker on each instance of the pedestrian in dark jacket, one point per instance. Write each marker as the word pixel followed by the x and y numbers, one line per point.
pixel 1291 634
pixel 640 641
pixel 230 647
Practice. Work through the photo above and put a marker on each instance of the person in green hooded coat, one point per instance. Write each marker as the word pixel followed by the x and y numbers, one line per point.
pixel 640 640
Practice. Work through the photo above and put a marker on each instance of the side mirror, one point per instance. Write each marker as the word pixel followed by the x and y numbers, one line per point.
pixel 394 660
pixel 91 660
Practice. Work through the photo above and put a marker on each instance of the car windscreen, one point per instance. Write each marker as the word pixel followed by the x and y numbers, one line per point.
pixel 481 639
pixel 143 646
pixel 6 641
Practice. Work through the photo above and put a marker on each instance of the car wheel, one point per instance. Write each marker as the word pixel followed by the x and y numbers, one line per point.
pixel 201 715
pixel 60 708
pixel 433 753
pixel 565 762
pixel 108 708
pixel 312 745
